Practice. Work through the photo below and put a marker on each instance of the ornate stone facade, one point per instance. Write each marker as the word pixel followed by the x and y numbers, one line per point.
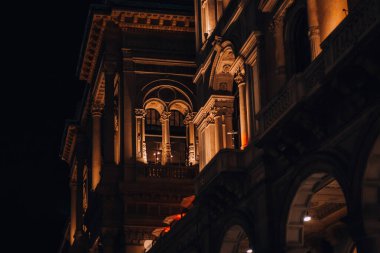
pixel 241 126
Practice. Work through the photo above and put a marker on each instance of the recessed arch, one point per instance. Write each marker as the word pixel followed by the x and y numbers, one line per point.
pixel 152 89
pixel 181 106
pixel 371 192
pixel 235 240
pixel 221 79
pixel 316 217
pixel 156 104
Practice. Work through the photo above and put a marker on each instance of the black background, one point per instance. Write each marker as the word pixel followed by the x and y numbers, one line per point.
pixel 39 91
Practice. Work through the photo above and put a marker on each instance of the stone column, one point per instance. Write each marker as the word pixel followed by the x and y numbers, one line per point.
pixel 219 8
pixel 191 137
pixel 140 136
pixel 116 131
pixel 79 205
pixel 240 80
pixel 166 149
pixel 314 35
pixel 218 131
pixel 96 112
pixel 73 211
pixel 108 118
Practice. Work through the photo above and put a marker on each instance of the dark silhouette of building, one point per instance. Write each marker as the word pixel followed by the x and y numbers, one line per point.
pixel 227 126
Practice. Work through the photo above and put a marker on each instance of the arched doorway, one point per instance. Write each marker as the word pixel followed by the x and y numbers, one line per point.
pixel 317 219
pixel 235 241
pixel 371 200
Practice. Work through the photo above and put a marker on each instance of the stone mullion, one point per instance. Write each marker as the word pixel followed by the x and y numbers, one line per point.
pixel 166 149
pixel 140 135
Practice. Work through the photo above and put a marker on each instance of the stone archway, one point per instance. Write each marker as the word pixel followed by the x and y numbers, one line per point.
pixel 235 240
pixel 317 217
pixel 371 200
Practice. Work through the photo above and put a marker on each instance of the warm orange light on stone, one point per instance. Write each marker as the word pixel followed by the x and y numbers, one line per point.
pixel 330 14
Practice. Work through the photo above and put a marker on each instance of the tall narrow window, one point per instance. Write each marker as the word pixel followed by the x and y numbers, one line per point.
pixel 297 42
pixel 153 136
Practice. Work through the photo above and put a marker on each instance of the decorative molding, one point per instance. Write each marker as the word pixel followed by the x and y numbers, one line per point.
pixel 127 19
pixel 240 76
pixel 165 116
pixel 140 113
pixel 69 144
pixel 222 103
pixel 97 109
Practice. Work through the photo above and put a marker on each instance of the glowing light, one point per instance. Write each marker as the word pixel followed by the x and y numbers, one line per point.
pixel 249 250
pixel 307 218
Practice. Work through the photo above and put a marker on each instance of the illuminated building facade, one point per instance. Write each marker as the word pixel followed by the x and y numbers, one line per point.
pixel 228 126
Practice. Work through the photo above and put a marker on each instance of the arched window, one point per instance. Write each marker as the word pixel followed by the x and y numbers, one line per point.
pixel 177 138
pixel 297 40
pixel 153 136
pixel 153 124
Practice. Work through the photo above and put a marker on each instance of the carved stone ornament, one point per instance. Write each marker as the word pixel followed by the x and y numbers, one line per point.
pixel 97 109
pixel 165 115
pixel 140 113
pixel 226 68
pixel 189 117
pixel 239 77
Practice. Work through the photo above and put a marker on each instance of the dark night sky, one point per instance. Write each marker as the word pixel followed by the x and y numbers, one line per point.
pixel 40 47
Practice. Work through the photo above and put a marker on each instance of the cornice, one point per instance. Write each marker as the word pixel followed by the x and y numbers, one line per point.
pixel 153 21
pixel 92 50
pixel 127 20
pixel 69 142
pixel 234 16
pixel 220 102
pixel 247 52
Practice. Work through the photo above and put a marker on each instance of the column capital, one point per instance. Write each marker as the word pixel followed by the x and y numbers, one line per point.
pixel 97 109
pixel 189 117
pixel 140 113
pixel 240 77
pixel 165 115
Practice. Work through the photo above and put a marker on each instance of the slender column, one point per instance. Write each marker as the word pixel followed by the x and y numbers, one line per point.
pixel 166 149
pixel 210 16
pixel 218 132
pixel 109 124
pixel 219 8
pixel 190 137
pixel 140 135
pixel 80 156
pixel 314 35
pixel 79 205
pixel 116 130
pixel 240 80
pixel 96 113
pixel 73 211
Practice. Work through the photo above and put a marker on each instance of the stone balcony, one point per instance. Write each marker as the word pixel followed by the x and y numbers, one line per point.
pixel 337 48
